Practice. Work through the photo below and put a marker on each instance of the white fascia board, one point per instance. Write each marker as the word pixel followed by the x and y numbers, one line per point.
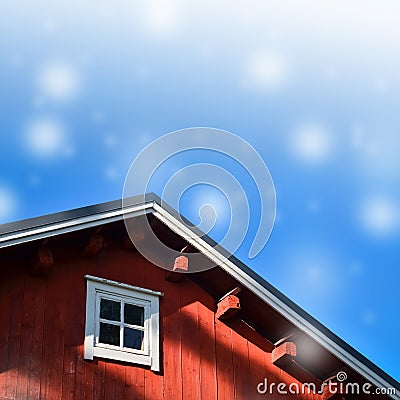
pixel 297 320
pixel 74 224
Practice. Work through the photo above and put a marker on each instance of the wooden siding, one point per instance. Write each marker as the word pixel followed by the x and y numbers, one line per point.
pixel 42 333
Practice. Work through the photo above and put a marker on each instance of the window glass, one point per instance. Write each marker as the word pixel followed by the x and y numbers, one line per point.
pixel 109 334
pixel 110 310
pixel 134 315
pixel 133 338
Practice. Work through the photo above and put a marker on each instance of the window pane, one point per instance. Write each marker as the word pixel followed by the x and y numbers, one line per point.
pixel 133 338
pixel 134 315
pixel 110 310
pixel 109 334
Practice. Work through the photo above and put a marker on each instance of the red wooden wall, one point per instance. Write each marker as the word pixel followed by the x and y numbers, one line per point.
pixel 42 334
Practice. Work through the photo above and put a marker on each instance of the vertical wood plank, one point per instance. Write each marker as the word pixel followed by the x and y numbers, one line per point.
pixel 241 368
pixel 4 310
pixel 84 369
pixel 119 371
pixel 70 352
pixel 208 373
pixel 99 378
pixel 257 368
pixel 35 366
pixel 16 296
pixel 90 379
pixel 53 335
pixel 114 380
pixel 154 381
pixel 154 385
pixel 134 383
pixel 109 381
pixel 225 379
pixel 31 340
pixel 190 345
pixel 171 337
pixel 82 390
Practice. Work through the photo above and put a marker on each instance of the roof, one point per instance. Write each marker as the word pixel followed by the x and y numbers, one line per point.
pixel 15 233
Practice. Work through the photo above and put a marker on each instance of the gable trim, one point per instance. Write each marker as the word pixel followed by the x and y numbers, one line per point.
pixel 73 224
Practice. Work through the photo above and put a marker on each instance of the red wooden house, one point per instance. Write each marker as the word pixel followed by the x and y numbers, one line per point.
pixel 84 316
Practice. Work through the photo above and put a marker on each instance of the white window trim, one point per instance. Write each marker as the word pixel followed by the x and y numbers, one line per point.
pixel 149 299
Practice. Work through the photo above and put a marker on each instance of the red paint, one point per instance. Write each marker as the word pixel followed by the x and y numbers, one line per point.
pixel 228 307
pixel 42 333
pixel 181 264
pixel 284 353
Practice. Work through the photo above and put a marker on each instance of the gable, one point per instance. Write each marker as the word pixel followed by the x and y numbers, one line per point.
pixel 266 315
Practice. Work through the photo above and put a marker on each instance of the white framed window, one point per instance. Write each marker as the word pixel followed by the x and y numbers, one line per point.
pixel 122 322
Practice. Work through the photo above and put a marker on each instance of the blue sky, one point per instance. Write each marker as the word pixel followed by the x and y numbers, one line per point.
pixel 313 86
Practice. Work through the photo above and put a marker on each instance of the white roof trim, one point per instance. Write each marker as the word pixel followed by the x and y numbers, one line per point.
pixel 58 228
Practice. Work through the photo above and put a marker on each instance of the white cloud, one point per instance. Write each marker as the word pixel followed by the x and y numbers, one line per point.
pixel 98 117
pixel 34 180
pixel 314 273
pixel 357 136
pixel 316 267
pixel 380 216
pixel 369 317
pixel 266 70
pixel 110 140
pixel 46 138
pixel 17 61
pixel 7 204
pixel 356 269
pixel 162 17
pixel 313 206
pixel 143 139
pixel 37 102
pixel 50 25
pixel 330 73
pixel 111 173
pixel 312 143
pixel 381 84
pixel 377 149
pixel 59 81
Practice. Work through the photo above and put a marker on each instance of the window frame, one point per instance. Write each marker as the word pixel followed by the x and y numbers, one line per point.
pixel 98 288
